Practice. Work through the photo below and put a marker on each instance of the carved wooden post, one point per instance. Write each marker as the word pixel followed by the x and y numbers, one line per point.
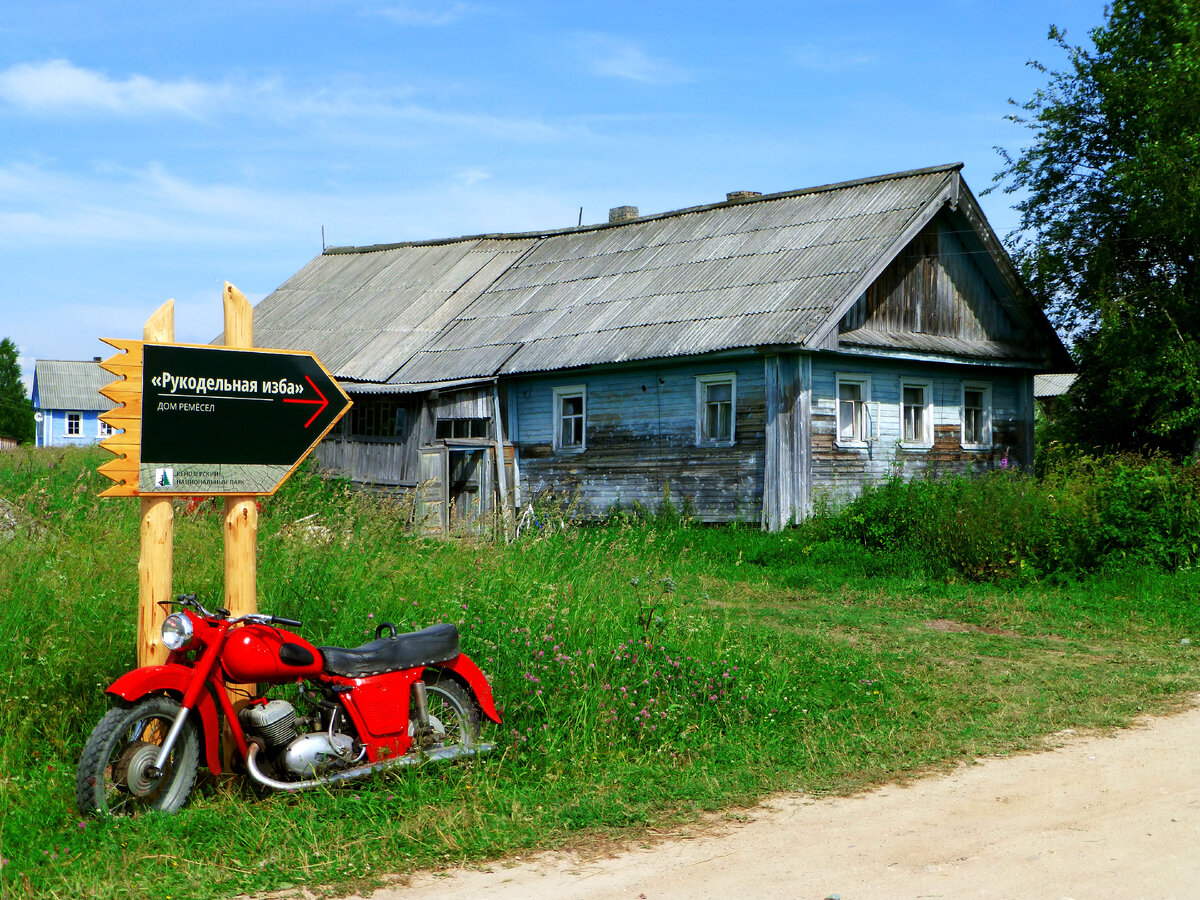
pixel 241 513
pixel 241 520
pixel 155 559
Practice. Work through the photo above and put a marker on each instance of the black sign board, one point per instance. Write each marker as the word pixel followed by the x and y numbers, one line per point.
pixel 226 421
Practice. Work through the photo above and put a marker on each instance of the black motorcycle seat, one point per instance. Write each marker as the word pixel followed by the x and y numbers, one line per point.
pixel 435 644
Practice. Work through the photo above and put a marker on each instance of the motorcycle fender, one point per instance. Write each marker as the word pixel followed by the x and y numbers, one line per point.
pixel 133 686
pixel 478 683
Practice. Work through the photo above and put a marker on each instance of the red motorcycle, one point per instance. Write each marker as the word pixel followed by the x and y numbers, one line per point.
pixel 399 700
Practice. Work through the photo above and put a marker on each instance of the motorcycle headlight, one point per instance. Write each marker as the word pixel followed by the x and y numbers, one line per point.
pixel 177 631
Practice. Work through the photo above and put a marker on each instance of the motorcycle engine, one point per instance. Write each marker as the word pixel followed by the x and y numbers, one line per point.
pixel 312 754
pixel 302 755
pixel 274 722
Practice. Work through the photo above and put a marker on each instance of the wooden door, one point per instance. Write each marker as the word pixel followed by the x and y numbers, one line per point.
pixel 433 491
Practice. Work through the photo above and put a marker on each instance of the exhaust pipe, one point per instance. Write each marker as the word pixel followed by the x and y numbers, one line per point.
pixel 442 754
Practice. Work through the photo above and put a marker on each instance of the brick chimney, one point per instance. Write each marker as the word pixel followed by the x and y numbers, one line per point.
pixel 622 214
pixel 741 195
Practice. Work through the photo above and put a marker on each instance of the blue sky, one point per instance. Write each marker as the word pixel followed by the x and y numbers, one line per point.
pixel 152 150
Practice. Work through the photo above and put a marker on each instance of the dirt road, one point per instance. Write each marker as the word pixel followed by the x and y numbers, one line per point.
pixel 1107 817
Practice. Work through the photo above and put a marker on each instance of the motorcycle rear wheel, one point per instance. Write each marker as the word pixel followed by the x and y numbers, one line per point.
pixel 453 716
pixel 112 778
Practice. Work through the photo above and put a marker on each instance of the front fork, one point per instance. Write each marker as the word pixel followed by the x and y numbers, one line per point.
pixel 159 768
pixel 200 677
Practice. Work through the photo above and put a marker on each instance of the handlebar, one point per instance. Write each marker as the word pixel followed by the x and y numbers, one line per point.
pixel 221 612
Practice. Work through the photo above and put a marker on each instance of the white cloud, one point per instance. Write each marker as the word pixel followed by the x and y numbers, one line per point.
pixel 58 85
pixel 615 57
pixel 828 60
pixel 469 177
pixel 429 14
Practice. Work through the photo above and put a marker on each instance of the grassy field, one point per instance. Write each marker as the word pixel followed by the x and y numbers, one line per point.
pixel 647 671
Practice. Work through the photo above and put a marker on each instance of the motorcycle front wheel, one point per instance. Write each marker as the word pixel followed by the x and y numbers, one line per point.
pixel 113 776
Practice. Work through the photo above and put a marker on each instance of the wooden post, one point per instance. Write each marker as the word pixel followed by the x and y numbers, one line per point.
pixel 241 513
pixel 241 519
pixel 155 558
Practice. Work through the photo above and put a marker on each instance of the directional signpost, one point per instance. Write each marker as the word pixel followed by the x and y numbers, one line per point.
pixel 196 420
pixel 216 421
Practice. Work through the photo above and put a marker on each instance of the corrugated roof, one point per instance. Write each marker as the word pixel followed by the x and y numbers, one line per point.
pixel 771 270
pixel 71 384
pixel 1052 385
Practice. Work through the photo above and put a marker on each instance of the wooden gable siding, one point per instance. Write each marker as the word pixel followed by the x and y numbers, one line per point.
pixel 640 440
pixel 472 403
pixel 935 286
pixel 838 473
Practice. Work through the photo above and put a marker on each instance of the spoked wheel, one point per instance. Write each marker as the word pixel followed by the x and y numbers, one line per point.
pixel 453 717
pixel 114 776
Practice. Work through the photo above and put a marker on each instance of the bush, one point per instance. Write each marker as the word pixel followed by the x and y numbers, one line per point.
pixel 1084 515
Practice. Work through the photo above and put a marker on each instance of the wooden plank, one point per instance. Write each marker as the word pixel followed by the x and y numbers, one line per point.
pixel 241 515
pixel 155 555
pixel 126 392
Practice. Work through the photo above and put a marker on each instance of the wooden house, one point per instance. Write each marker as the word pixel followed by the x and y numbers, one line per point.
pixel 67 402
pixel 745 357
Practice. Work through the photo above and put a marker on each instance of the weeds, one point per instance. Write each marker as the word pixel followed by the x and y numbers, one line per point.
pixel 646 669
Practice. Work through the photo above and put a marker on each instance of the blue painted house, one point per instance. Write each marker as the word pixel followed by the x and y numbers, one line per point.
pixel 67 403
pixel 747 356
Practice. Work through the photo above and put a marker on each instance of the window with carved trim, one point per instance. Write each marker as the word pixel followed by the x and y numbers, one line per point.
pixel 570 417
pixel 716 408
pixel 976 416
pixel 916 414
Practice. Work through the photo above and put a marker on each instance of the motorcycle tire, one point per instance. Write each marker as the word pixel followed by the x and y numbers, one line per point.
pixel 112 777
pixel 453 715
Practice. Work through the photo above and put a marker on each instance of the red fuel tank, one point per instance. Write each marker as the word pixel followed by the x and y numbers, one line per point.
pixel 265 653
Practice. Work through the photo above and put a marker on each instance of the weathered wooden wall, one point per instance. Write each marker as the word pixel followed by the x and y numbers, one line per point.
pixel 641 441
pixel 839 472
pixel 390 461
pixel 788 473
pixel 937 286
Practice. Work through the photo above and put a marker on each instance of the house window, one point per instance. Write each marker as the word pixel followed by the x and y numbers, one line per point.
pixel 106 430
pixel 570 416
pixel 461 428
pixel 377 419
pixel 916 414
pixel 716 408
pixel 74 424
pixel 976 416
pixel 855 423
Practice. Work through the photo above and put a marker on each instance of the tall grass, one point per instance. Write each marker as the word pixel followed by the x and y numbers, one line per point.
pixel 646 670
pixel 1083 516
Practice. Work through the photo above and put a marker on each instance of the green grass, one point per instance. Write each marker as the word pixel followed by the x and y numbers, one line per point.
pixel 646 673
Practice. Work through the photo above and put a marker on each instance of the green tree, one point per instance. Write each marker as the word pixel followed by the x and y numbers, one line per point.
pixel 16 413
pixel 1109 234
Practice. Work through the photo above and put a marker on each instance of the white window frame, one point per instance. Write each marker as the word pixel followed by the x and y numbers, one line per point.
pixel 925 441
pixel 703 382
pixel 866 424
pixel 77 418
pixel 567 392
pixel 104 430
pixel 986 389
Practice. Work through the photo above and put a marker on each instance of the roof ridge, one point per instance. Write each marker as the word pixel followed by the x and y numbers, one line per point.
pixel 580 229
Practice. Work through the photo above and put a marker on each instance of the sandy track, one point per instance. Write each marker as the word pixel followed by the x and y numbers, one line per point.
pixel 1099 817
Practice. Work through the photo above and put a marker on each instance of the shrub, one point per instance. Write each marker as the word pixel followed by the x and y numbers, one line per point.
pixel 1084 515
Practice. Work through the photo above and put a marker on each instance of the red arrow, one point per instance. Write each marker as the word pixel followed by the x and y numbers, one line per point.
pixel 321 404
